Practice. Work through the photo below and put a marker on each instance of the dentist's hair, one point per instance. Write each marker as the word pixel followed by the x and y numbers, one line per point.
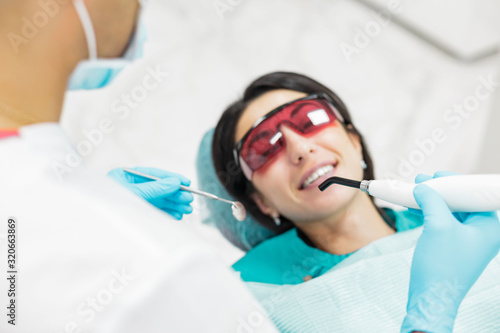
pixel 230 175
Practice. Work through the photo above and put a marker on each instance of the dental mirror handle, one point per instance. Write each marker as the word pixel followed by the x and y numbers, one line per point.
pixel 184 188
pixel 239 211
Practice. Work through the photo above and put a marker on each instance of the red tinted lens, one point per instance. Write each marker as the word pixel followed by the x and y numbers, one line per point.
pixel 264 141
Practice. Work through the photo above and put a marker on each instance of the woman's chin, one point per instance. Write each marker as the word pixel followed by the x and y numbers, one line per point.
pixel 334 193
pixel 329 202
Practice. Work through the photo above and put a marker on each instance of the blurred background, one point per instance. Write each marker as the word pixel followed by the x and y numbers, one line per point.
pixel 421 80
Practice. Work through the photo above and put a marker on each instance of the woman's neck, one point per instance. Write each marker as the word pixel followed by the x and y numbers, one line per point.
pixel 352 228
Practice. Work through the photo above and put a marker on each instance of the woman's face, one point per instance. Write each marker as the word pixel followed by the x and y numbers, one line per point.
pixel 288 185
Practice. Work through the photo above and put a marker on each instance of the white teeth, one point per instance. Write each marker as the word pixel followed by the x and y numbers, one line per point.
pixel 320 172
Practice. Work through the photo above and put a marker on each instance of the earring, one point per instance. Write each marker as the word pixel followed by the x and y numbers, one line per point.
pixel 277 220
pixel 363 164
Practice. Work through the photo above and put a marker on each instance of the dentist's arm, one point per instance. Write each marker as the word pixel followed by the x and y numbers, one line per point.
pixel 164 194
pixel 451 254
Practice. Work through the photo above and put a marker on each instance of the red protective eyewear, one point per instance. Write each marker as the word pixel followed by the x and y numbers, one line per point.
pixel 264 141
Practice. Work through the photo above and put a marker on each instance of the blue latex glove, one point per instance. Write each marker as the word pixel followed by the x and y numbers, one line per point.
pixel 164 194
pixel 451 254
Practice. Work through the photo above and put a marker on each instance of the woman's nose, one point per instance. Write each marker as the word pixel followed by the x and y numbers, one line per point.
pixel 297 146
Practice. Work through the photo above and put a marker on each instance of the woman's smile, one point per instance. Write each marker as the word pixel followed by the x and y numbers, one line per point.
pixel 317 174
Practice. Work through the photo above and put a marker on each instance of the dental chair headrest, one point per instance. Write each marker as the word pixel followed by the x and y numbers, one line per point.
pixel 246 234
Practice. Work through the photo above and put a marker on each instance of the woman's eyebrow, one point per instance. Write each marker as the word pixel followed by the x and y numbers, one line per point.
pixel 258 137
pixel 298 108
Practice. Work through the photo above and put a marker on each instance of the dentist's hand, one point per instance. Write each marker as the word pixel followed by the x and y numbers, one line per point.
pixel 451 254
pixel 164 194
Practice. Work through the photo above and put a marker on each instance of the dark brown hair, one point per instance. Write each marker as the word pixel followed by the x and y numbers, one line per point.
pixel 228 172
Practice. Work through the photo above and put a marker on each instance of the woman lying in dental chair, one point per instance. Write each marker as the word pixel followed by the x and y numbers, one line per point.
pixel 334 261
pixel 271 150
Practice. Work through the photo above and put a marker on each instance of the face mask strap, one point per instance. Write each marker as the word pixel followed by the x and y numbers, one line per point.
pixel 88 28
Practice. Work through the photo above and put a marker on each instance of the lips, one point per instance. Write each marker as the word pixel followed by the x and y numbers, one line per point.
pixel 316 173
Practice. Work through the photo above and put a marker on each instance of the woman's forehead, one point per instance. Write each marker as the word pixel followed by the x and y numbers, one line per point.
pixel 262 105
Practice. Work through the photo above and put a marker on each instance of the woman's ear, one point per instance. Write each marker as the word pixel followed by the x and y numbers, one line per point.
pixel 354 137
pixel 265 207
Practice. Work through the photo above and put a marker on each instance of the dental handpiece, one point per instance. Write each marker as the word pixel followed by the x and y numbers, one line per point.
pixel 462 193
pixel 239 211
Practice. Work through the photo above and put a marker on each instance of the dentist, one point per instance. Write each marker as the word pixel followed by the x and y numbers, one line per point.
pixel 85 254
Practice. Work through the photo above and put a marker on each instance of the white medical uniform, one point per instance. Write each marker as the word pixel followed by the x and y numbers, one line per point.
pixel 92 257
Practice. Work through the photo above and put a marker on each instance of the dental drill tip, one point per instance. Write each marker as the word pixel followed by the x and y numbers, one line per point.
pixel 339 180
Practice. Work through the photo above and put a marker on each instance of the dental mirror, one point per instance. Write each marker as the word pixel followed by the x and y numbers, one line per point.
pixel 239 211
